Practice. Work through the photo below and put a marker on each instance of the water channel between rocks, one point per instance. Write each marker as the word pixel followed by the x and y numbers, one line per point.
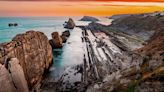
pixel 68 61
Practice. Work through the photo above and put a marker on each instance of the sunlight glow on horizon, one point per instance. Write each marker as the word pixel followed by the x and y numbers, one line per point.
pixel 91 8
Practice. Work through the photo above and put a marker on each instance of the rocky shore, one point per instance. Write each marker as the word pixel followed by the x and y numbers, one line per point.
pixel 117 67
pixel 112 60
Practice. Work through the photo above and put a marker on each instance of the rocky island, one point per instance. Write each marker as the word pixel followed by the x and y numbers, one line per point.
pixel 89 18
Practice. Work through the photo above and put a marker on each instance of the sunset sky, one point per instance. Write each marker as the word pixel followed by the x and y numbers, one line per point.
pixel 77 7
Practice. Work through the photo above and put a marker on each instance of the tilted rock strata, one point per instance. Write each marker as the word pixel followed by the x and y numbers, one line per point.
pixel 33 51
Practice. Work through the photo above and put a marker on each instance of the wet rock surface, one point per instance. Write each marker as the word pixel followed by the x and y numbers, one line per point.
pixel 34 53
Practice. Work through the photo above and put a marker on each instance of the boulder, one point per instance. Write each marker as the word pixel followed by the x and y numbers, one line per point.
pixel 56 41
pixel 65 35
pixel 33 51
pixel 70 24
pixel 89 18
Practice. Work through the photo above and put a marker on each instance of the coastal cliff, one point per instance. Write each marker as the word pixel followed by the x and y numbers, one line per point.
pixel 34 53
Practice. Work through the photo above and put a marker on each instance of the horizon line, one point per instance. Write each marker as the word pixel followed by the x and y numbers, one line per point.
pixel 84 1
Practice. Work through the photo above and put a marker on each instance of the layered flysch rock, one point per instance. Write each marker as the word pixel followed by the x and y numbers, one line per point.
pixel 70 24
pixel 33 51
pixel 56 41
pixel 134 70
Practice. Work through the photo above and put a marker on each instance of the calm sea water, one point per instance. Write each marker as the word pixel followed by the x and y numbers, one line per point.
pixel 43 24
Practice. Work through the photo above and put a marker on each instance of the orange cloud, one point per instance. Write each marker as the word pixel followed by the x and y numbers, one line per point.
pixel 28 8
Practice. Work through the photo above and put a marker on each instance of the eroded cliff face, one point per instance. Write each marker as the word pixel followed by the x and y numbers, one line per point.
pixel 33 51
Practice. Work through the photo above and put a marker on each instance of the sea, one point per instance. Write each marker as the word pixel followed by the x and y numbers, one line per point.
pixel 47 25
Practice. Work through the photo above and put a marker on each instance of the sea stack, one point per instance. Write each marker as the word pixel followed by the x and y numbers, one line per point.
pixel 56 41
pixel 70 24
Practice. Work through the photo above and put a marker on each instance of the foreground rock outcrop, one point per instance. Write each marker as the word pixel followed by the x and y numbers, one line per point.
pixel 56 41
pixel 89 18
pixel 70 24
pixel 33 51
pixel 12 77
